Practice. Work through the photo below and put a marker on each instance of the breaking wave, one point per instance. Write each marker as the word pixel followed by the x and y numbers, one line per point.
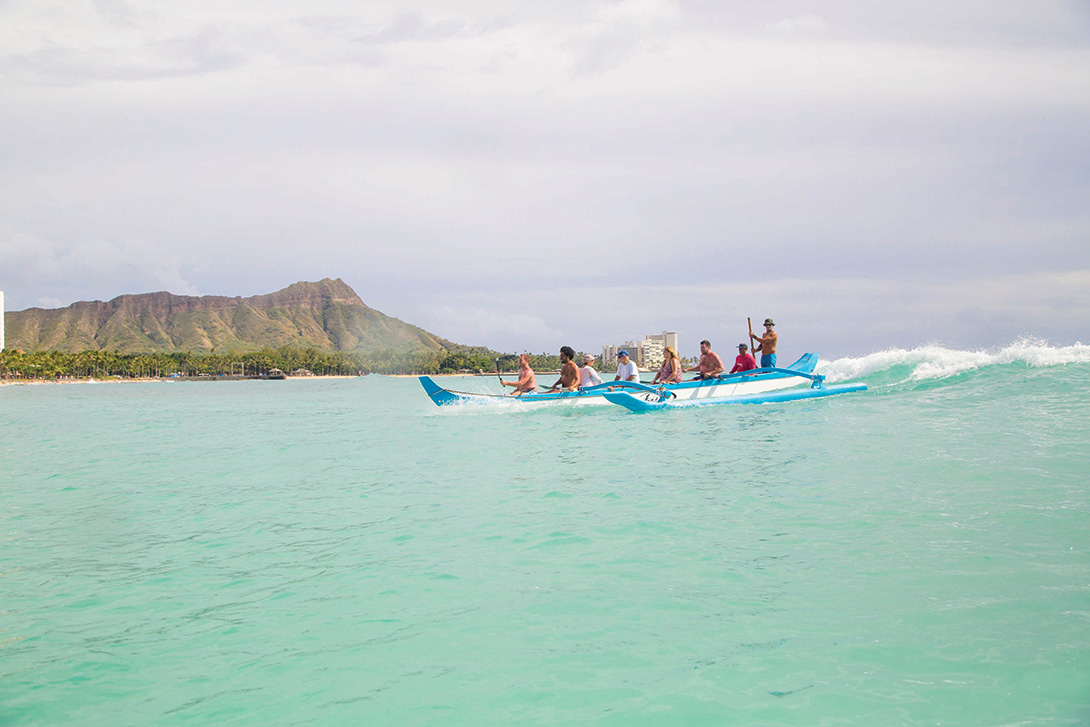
pixel 933 361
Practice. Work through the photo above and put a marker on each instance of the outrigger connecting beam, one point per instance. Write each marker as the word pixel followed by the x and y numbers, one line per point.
pixel 741 375
pixel 611 385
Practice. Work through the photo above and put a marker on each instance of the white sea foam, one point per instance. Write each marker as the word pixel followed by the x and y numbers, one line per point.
pixel 935 362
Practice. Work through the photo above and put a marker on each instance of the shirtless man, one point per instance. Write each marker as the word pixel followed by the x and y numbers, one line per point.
pixel 710 365
pixel 767 345
pixel 527 383
pixel 569 372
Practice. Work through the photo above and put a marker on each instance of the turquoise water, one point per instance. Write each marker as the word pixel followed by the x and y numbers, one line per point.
pixel 344 552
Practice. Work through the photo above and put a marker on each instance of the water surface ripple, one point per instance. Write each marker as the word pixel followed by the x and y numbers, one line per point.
pixel 343 552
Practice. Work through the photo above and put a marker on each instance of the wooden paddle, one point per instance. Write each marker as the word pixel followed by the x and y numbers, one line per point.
pixel 750 322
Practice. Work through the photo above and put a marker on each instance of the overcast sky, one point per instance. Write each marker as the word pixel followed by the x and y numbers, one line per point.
pixel 528 175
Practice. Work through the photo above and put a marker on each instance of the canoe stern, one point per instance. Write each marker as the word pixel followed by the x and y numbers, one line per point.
pixel 438 394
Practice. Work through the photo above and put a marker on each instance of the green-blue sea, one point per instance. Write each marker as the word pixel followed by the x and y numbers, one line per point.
pixel 343 552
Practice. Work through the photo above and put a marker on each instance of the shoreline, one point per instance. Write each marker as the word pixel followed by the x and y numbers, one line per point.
pixel 168 379
pixel 153 379
pixel 316 377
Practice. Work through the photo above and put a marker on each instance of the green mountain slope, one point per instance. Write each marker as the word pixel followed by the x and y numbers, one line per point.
pixel 327 315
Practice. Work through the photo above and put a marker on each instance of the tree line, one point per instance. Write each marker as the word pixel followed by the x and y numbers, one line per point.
pixel 50 365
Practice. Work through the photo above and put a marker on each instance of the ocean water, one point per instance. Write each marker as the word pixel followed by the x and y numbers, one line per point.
pixel 343 552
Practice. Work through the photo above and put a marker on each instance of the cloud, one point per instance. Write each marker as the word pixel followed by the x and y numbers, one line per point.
pixel 499 323
pixel 487 157
pixel 112 41
pixel 836 316
pixel 84 269
pixel 802 26
pixel 49 303
pixel 640 12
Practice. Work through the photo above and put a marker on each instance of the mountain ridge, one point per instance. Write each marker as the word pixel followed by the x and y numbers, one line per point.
pixel 326 314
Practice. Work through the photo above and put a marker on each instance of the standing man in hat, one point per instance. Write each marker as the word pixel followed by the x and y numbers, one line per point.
pixel 767 345
pixel 745 361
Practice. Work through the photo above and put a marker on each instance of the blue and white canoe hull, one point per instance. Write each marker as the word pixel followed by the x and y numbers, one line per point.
pixel 590 395
pixel 761 386
pixel 644 401
pixel 757 381
pixel 447 397
pixel 741 387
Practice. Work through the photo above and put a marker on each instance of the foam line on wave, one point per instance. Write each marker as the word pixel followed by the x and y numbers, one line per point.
pixel 933 361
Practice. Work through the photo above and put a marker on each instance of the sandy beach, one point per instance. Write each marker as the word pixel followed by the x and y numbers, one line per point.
pixel 136 380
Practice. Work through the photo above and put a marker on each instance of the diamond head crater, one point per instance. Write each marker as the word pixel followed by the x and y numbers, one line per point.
pixel 318 327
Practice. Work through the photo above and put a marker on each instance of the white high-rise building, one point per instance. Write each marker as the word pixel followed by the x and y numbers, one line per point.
pixel 1 320
pixel 653 348
pixel 651 352
pixel 647 354
pixel 666 338
pixel 609 354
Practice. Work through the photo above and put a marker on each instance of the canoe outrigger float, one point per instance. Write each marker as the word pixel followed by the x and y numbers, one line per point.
pixel 758 386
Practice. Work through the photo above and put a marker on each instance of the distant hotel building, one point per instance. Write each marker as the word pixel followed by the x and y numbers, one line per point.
pixel 647 354
pixel 1 320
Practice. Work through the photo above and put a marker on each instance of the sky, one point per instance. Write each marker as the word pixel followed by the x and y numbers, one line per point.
pixel 528 175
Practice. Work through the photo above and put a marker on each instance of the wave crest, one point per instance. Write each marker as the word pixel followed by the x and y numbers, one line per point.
pixel 933 361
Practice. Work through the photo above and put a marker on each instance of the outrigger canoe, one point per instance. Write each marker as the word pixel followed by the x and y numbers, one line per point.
pixel 757 386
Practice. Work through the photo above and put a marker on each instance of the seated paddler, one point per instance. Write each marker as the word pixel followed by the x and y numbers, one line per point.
pixel 587 375
pixel 744 360
pixel 569 372
pixel 670 371
pixel 527 382
pixel 710 365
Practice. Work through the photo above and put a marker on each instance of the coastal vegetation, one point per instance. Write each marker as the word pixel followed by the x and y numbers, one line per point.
pixel 320 327
pixel 95 364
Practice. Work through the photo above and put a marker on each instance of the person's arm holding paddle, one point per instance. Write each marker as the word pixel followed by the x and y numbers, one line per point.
pixel 670 371
pixel 527 382
pixel 767 345
pixel 522 384
pixel 717 365
pixel 664 370
pixel 569 372
pixel 708 362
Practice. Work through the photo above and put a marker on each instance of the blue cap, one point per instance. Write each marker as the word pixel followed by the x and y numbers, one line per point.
pixel 622 352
